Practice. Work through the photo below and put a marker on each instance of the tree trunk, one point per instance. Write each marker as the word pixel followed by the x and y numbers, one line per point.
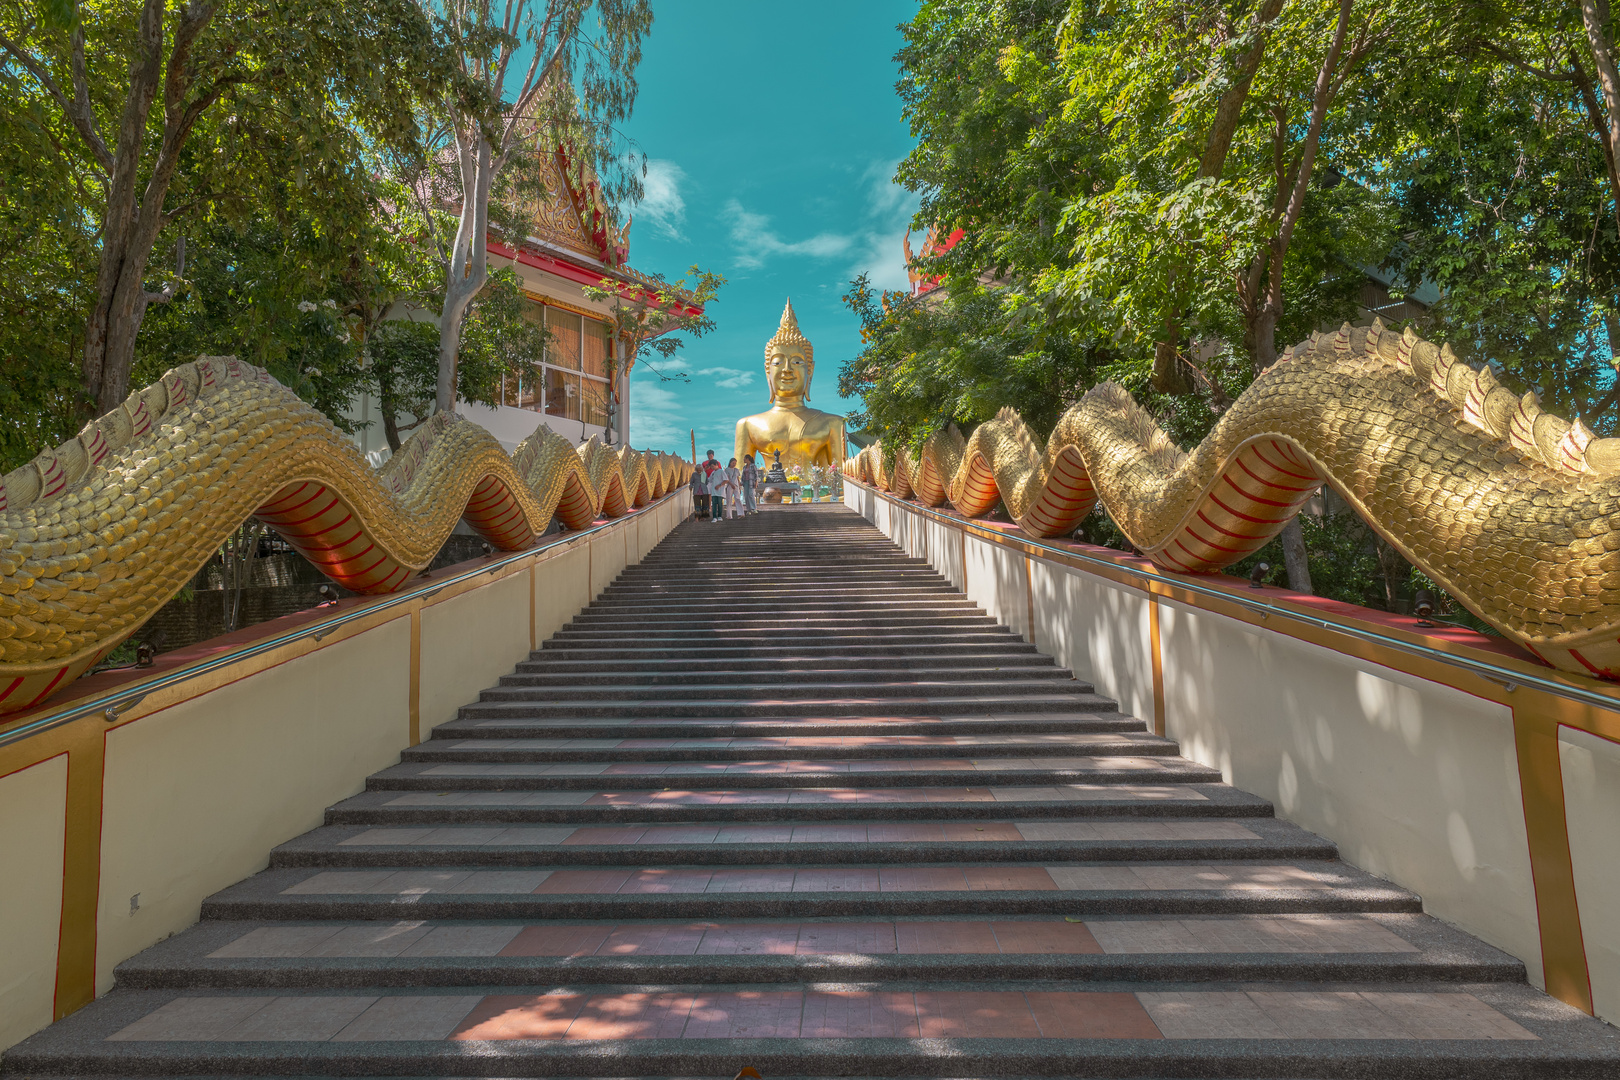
pixel 469 260
pixel 1595 16
pixel 124 311
pixel 1168 374
pixel 1230 107
pixel 1392 568
pixel 132 221
pixel 388 407
pixel 1168 378
pixel 1269 311
pixel 1264 336
pixel 1295 558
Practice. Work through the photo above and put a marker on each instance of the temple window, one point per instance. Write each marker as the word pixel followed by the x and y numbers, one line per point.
pixel 573 384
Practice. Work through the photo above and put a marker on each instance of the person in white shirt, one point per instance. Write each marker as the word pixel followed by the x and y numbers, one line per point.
pixel 731 488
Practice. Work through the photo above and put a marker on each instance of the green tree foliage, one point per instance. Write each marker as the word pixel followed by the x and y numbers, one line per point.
pixel 167 106
pixel 300 243
pixel 958 358
pixel 1165 193
pixel 44 293
pixel 1505 201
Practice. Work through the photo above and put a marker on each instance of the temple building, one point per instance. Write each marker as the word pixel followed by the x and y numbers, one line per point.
pixel 573 243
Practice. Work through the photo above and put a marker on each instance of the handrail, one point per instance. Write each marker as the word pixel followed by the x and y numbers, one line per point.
pixel 115 703
pixel 1509 678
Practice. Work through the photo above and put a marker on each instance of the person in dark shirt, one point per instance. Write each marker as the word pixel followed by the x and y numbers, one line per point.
pixel 699 485
pixel 750 482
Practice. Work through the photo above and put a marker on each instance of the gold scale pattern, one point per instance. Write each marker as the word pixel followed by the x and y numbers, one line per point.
pixel 98 533
pixel 1514 511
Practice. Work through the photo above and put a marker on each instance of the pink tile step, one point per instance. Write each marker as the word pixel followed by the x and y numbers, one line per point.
pixel 791 1014
pixel 954 1014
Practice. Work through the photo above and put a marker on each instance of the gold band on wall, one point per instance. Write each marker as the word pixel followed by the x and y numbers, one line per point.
pixel 1552 867
pixel 415 694
pixel 1158 664
pixel 81 870
pixel 1029 598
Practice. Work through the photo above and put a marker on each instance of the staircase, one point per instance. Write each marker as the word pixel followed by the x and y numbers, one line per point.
pixel 782 797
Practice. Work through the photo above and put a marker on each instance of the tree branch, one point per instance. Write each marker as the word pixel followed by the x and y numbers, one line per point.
pixel 1326 86
pixel 1230 107
pixel 76 110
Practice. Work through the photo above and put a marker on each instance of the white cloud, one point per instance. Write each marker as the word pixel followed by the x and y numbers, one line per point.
pixel 884 197
pixel 874 244
pixel 889 208
pixel 661 204
pixel 755 240
pixel 884 260
pixel 657 418
pixel 723 378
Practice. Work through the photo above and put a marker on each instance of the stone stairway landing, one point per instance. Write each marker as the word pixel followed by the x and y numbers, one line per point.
pixel 782 797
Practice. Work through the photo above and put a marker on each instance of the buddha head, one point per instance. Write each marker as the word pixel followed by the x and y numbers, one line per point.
pixel 789 362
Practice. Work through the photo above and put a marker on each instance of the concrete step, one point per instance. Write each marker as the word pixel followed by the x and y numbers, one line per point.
pixel 877 571
pixel 765 675
pixel 786 748
pixel 800 844
pixel 640 891
pixel 755 686
pixel 416 953
pixel 754 599
pixel 805 623
pixel 452 804
pixel 746 775
pixel 701 660
pixel 1104 720
pixel 923 587
pixel 780 642
pixel 864 705
pixel 1432 1031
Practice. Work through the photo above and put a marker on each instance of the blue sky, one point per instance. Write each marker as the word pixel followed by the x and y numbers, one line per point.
pixel 773 131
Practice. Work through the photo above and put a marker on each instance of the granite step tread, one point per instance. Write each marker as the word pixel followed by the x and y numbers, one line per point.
pixel 422 953
pixel 617 643
pixel 815 707
pixel 704 660
pixel 1297 886
pixel 447 747
pixel 451 804
pixel 802 676
pixel 1503 1031
pixel 441 844
pixel 762 684
pixel 1105 721
pixel 744 775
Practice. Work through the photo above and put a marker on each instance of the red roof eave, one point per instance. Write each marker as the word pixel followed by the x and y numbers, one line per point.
pixel 581 274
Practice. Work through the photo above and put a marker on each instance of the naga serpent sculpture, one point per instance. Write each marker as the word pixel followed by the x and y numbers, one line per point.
pixel 100 532
pixel 1512 510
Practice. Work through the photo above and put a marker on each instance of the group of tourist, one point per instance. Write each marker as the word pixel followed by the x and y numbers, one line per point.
pixel 724 490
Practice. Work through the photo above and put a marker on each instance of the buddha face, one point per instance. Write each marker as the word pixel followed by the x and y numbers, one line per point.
pixel 788 371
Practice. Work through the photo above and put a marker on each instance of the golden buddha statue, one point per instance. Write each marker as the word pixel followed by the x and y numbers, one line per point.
pixel 805 435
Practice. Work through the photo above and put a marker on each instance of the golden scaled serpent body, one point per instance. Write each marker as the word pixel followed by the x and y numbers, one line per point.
pixel 97 534
pixel 1514 511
